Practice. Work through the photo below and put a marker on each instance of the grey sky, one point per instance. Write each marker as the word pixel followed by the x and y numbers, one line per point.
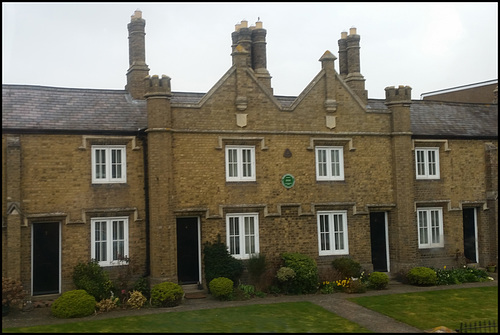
pixel 428 46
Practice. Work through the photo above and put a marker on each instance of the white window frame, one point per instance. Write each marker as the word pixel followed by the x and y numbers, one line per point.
pixel 325 164
pixel 108 164
pixel 107 243
pixel 240 240
pixel 333 238
pixel 430 227
pixel 425 168
pixel 236 167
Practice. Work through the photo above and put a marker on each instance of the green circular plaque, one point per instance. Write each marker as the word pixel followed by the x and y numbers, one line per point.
pixel 288 180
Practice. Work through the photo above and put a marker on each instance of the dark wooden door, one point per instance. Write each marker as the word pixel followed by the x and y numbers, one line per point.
pixel 378 241
pixel 46 267
pixel 469 219
pixel 188 262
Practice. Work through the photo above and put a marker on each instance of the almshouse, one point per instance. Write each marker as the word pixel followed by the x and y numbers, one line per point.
pixel 143 177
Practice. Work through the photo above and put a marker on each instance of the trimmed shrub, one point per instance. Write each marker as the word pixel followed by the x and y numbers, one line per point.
pixel 285 276
pixel 356 286
pixel 219 262
pixel 136 300
pixel 422 276
pixel 73 304
pixel 306 273
pixel 347 267
pixel 221 288
pixel 93 279
pixel 166 294
pixel 107 305
pixel 378 280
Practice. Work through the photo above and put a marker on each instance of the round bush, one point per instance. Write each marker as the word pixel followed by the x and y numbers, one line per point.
pixel 166 294
pixel 221 288
pixel 92 278
pixel 306 272
pixel 73 304
pixel 378 280
pixel 422 276
pixel 347 267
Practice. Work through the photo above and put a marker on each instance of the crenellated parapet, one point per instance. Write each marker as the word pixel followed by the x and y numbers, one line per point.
pixel 156 86
pixel 400 94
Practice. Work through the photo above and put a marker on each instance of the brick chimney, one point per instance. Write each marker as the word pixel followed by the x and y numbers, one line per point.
pixel 138 69
pixel 253 40
pixel 349 63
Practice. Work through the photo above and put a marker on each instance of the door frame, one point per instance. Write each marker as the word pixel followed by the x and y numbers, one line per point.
pixel 198 237
pixel 59 251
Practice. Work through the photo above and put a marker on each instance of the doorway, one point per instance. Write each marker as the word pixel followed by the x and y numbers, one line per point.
pixel 379 241
pixel 188 250
pixel 470 235
pixel 46 258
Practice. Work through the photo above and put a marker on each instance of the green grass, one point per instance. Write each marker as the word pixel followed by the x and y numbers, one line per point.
pixel 423 310
pixel 426 310
pixel 298 317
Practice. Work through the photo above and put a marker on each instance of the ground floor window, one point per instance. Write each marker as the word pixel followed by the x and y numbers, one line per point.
pixel 332 233
pixel 430 228
pixel 242 234
pixel 109 238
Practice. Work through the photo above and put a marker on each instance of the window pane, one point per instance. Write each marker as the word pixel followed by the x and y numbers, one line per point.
pixel 324 232
pixel 100 241
pixel 435 226
pixel 116 163
pixel 339 232
pixel 100 164
pixel 249 235
pixel 432 162
pixel 246 155
pixel 423 227
pixel 232 162
pixel 234 238
pixel 335 163
pixel 420 163
pixel 322 163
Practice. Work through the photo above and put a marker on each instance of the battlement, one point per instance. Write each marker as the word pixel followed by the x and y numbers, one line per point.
pixel 398 94
pixel 154 85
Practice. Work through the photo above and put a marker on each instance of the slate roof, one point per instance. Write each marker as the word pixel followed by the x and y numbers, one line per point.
pixel 27 107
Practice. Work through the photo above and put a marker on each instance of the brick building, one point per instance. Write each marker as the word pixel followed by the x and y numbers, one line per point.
pixel 149 174
pixel 483 92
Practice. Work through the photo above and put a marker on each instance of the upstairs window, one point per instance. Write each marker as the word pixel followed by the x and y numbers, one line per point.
pixel 430 228
pixel 109 238
pixel 427 163
pixel 109 164
pixel 242 235
pixel 329 163
pixel 240 163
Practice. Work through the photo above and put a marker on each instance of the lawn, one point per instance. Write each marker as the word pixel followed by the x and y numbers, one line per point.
pixel 298 317
pixel 431 309
pixel 424 310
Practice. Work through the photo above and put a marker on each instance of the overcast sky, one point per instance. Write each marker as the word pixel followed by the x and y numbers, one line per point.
pixel 428 46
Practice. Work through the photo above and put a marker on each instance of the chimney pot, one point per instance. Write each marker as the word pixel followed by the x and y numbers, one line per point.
pixel 352 31
pixel 258 25
pixel 244 24
pixel 343 35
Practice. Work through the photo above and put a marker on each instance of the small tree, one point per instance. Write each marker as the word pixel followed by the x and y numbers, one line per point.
pixel 219 262
pixel 93 279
